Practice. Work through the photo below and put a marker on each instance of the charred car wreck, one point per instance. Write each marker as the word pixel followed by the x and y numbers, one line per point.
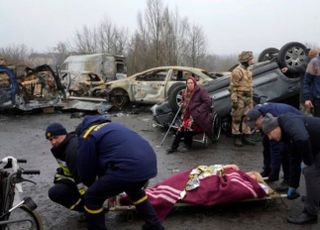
pixel 36 88
pixel 154 85
pixel 269 83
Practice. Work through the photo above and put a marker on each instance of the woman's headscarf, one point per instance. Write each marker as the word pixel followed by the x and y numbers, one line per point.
pixel 187 95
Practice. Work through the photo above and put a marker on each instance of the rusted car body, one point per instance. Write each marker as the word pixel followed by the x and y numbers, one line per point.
pixel 36 88
pixel 153 85
pixel 107 67
pixel 88 84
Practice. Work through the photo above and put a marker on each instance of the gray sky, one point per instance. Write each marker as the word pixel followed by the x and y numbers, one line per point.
pixel 229 25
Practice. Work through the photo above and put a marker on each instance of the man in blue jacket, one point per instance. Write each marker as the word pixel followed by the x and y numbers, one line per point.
pixel 302 134
pixel 274 153
pixel 311 86
pixel 123 162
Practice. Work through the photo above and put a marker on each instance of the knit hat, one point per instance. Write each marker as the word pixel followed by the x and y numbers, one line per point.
pixel 251 117
pixel 55 129
pixel 269 123
pixel 245 56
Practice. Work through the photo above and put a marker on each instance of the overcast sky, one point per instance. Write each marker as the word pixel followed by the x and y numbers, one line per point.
pixel 229 25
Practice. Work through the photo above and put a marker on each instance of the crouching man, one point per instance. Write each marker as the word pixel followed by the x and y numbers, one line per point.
pixel 123 162
pixel 302 134
pixel 64 149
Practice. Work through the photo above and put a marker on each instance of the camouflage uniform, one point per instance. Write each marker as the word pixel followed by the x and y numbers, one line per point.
pixel 241 91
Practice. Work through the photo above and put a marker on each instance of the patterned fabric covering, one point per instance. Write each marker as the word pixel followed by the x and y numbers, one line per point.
pixel 204 185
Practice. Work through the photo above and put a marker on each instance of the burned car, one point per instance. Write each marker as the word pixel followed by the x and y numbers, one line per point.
pixel 153 85
pixel 269 83
pixel 36 88
pixel 88 84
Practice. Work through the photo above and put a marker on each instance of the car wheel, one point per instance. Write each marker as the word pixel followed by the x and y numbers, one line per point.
pixel 268 54
pixel 293 55
pixel 216 128
pixel 175 96
pixel 119 98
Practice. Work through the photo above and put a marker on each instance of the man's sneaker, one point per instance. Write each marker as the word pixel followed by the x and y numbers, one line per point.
pixel 303 218
pixel 246 140
pixel 272 179
pixel 282 187
pixel 265 173
pixel 184 149
pixel 237 141
pixel 171 150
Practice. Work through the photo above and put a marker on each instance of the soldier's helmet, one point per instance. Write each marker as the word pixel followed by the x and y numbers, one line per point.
pixel 245 56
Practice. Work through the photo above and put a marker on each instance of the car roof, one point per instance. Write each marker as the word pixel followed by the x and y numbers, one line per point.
pixel 192 69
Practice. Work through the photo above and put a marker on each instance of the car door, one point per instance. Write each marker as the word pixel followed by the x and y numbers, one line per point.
pixel 8 88
pixel 150 86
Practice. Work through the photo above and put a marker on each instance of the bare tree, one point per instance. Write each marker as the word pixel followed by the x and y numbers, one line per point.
pixel 85 41
pixel 196 45
pixel 16 54
pixel 166 39
pixel 104 38
pixel 60 52
pixel 153 22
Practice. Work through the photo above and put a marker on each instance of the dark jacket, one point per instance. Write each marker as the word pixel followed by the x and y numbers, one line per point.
pixel 311 84
pixel 200 109
pixel 301 132
pixel 276 109
pixel 277 149
pixel 114 150
pixel 66 154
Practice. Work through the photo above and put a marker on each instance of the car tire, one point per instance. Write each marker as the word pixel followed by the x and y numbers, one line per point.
pixel 175 96
pixel 293 55
pixel 268 54
pixel 119 98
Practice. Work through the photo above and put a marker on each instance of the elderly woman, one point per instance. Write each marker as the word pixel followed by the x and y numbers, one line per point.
pixel 196 115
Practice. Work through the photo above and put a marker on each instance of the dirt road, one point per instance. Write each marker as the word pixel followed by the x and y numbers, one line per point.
pixel 23 136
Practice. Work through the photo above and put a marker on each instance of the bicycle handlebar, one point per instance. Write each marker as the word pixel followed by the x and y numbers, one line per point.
pixel 31 172
pixel 21 160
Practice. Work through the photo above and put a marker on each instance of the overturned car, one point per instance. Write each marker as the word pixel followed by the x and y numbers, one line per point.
pixel 36 88
pixel 269 83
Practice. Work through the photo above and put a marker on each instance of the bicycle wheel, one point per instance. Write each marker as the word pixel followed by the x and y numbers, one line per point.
pixel 23 218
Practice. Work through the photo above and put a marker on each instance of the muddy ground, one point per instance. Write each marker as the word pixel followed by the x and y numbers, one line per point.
pixel 23 136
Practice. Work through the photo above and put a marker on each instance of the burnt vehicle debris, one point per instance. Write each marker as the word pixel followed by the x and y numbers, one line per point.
pixel 154 85
pixel 88 84
pixel 86 74
pixel 269 83
pixel 36 88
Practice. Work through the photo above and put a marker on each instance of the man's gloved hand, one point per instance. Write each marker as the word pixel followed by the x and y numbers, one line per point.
pixel 82 188
pixel 292 193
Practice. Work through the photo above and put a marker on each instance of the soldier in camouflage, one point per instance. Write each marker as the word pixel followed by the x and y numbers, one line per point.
pixel 241 91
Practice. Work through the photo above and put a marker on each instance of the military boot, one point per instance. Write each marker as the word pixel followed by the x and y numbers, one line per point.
pixel 246 140
pixel 237 141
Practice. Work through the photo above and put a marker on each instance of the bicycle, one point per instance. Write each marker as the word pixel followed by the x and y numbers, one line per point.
pixel 16 213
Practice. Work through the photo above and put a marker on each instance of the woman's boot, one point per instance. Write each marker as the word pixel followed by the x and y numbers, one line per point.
pixel 175 143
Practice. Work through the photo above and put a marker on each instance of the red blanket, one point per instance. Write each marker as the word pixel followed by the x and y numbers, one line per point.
pixel 232 186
